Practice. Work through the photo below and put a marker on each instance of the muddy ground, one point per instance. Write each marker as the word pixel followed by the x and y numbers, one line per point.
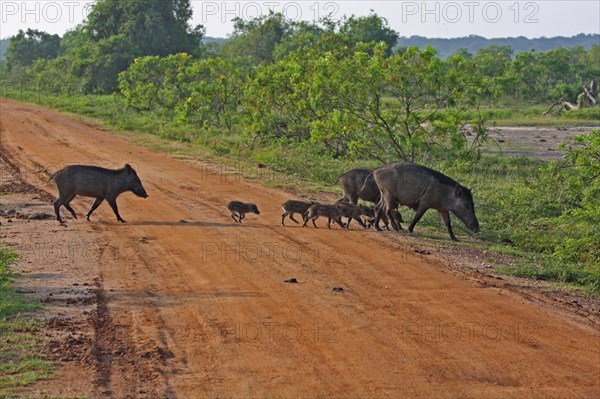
pixel 535 142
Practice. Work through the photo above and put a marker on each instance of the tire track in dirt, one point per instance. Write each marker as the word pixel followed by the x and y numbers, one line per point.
pixel 195 296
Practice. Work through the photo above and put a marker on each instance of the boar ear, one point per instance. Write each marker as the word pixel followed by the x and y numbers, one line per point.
pixel 128 168
pixel 459 191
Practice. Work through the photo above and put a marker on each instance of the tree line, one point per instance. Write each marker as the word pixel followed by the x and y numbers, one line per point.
pixel 341 84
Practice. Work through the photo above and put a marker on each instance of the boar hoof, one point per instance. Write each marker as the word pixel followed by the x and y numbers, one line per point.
pixel 122 220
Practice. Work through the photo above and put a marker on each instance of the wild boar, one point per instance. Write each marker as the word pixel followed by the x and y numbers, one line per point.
pixel 353 212
pixel 332 212
pixel 369 190
pixel 294 206
pixel 94 181
pixel 239 209
pixel 421 188
pixel 369 217
pixel 352 183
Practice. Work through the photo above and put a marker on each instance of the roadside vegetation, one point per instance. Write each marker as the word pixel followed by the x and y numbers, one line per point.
pixel 313 100
pixel 20 344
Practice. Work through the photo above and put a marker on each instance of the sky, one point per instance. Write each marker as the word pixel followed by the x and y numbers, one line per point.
pixel 424 18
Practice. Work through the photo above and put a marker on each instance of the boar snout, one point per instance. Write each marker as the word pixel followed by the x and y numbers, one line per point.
pixel 141 193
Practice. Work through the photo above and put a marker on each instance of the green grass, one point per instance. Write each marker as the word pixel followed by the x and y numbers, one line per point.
pixel 522 212
pixel 20 362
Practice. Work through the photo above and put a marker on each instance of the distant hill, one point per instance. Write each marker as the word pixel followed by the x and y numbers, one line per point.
pixel 3 47
pixel 217 40
pixel 447 47
pixel 473 43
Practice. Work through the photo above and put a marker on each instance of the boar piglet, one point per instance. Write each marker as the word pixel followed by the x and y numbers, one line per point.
pixel 370 213
pixel 331 212
pixel 353 212
pixel 239 210
pixel 94 181
pixel 294 206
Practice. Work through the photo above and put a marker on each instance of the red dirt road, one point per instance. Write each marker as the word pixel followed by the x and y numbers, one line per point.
pixel 199 308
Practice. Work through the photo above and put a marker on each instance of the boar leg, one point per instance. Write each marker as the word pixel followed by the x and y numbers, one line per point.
pixel 390 205
pixel 283 215
pixel 378 214
pixel 339 221
pixel 418 215
pixel 392 214
pixel 385 221
pixel 304 217
pixel 71 210
pixel 348 222
pixel 398 216
pixel 360 221
pixel 236 216
pixel 63 200
pixel 57 205
pixel 68 207
pixel 113 204
pixel 312 219
pixel 95 205
pixel 292 217
pixel 445 216
pixel 241 216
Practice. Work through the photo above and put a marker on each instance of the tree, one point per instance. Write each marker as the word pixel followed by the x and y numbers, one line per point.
pixel 408 106
pixel 153 27
pixel 301 35
pixel 203 92
pixel 493 60
pixel 26 47
pixel 257 38
pixel 372 28
pixel 97 64
pixel 362 104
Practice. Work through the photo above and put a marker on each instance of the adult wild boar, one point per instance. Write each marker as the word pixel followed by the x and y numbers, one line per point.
pixel 352 183
pixel 421 188
pixel 94 181
pixel 369 190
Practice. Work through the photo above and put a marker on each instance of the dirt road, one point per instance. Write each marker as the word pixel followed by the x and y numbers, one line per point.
pixel 190 304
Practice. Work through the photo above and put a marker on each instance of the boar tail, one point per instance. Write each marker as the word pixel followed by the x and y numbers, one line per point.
pixel 52 176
